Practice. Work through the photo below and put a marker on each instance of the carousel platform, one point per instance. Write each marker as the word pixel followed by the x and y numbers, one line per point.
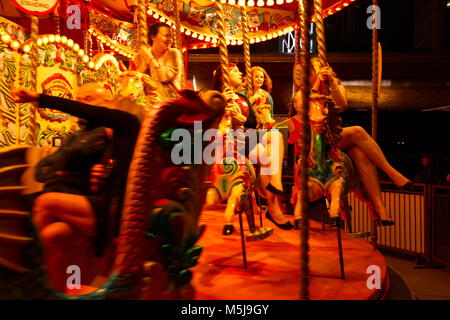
pixel 273 264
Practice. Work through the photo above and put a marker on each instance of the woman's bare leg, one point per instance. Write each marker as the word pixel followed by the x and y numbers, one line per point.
pixel 65 222
pixel 357 136
pixel 73 209
pixel 369 177
pixel 269 154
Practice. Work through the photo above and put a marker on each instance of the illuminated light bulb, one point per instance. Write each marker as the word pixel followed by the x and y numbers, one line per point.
pixel 116 49
pixel 58 38
pixel 39 42
pixel 51 38
pixel 241 3
pixel 251 3
pixel 345 4
pixel 156 16
pixel 194 35
pixel 240 42
pixel 260 3
pixel 188 32
pixel 233 42
pixel 214 40
pixel 338 9
pixel 149 12
pixel 76 47
pixel 69 42
pixel 280 2
pixel 208 39
pixel 258 40
pixel 201 37
pixel 270 2
pixel 6 38
pixel 81 52
pixel 26 48
pixel 15 44
pixel 85 58
pixel 162 19
pixel 231 2
pixel 252 41
pixel 45 40
pixel 289 1
pixel 330 12
pixel 223 1
pixel 182 29
pixel 269 37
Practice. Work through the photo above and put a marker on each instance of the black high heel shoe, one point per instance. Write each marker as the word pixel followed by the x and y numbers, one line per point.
pixel 275 191
pixel 385 223
pixel 297 224
pixel 335 221
pixel 285 226
pixel 407 186
pixel 227 229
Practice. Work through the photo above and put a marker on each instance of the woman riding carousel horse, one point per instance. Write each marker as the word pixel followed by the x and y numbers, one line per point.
pixel 362 149
pixel 268 152
pixel 260 90
pixel 163 63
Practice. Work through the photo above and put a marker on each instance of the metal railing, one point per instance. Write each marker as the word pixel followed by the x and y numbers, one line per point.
pixel 422 221
pixel 440 224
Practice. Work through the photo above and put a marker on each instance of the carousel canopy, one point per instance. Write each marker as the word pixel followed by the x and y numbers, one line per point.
pixel 113 22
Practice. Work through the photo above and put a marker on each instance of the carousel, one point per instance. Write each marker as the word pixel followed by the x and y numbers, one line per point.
pixel 176 229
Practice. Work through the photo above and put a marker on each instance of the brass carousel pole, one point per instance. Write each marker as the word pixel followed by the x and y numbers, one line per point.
pixel 244 27
pixel 374 233
pixel 178 41
pixel 223 51
pixel 142 23
pixel 34 57
pixel 320 33
pixel 304 13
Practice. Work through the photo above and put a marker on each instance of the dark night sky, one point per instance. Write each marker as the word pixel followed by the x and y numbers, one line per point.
pixel 396 33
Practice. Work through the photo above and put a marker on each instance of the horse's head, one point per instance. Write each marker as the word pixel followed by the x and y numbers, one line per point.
pixel 318 112
pixel 264 116
pixel 137 87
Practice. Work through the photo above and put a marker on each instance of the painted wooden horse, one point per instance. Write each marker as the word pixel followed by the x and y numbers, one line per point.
pixel 330 171
pixel 159 225
pixel 236 174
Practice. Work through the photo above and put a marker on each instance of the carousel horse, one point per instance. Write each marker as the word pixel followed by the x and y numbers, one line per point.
pixel 138 88
pixel 159 225
pixel 330 171
pixel 235 180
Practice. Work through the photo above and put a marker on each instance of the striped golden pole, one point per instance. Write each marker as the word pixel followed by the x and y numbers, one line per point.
pixel 304 13
pixel 34 57
pixel 320 33
pixel 178 41
pixel 374 71
pixel 142 23
pixel 297 37
pixel 223 51
pixel 374 233
pixel 244 26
